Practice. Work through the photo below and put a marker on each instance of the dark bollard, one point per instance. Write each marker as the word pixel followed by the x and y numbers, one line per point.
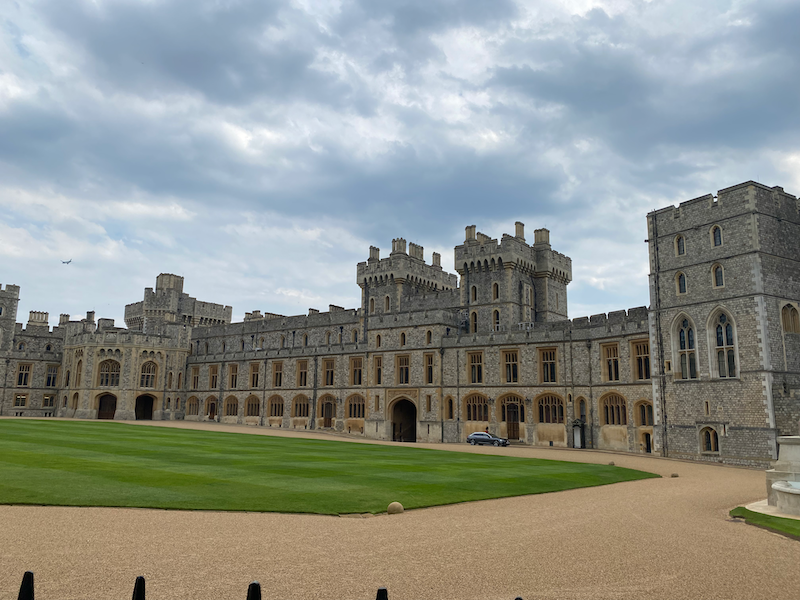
pixel 138 589
pixel 382 594
pixel 254 591
pixel 26 588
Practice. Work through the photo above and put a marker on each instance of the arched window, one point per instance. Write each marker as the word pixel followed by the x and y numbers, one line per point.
pixel 428 337
pixel 387 304
pixel 252 407
pixel 716 235
pixel 66 380
pixel 582 409
pixel 231 407
pixel 686 352
pixel 206 348
pixel 680 245
pixel 680 283
pixel 305 340
pixel 355 407
pixel 726 355
pixel 372 305
pixel 495 291
pixel 169 380
pixel 300 407
pixel 355 336
pixel 21 347
pixel 614 410
pixel 474 293
pixel 224 346
pixel 719 277
pixel 477 408
pixel 74 403
pixel 473 322
pixel 78 373
pixel 148 379
pixel 551 409
pixel 378 341
pixel 109 374
pixel 402 339
pixel 192 407
pixel 644 414
pixel 709 440
pixel 328 338
pixel 276 406
pixel 261 343
pixel 790 319
pixel 242 345
pixel 48 348
pixel 449 408
pixel 496 320
pixel 283 341
pixel 180 381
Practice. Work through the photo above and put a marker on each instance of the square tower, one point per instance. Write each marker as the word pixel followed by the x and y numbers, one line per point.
pixel 724 275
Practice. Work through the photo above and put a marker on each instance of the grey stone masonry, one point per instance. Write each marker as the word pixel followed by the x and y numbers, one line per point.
pixel 168 304
pixel 723 268
pixel 710 371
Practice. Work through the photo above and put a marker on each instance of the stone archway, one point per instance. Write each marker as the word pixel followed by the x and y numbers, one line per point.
pixel 144 408
pixel 404 421
pixel 106 406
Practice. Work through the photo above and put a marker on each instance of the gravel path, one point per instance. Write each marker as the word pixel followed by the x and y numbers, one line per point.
pixel 659 538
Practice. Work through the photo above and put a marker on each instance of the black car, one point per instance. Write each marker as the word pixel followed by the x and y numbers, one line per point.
pixel 480 437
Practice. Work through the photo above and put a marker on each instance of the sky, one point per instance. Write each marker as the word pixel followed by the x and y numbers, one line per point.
pixel 259 148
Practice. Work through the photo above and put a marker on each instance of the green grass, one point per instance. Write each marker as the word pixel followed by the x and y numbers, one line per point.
pixel 113 464
pixel 790 527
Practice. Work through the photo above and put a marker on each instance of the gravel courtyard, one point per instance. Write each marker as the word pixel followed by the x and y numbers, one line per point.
pixel 665 538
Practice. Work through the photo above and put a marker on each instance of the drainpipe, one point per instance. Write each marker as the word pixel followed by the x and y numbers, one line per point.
pixel 312 414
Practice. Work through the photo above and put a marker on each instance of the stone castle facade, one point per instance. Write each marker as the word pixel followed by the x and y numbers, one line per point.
pixel 710 371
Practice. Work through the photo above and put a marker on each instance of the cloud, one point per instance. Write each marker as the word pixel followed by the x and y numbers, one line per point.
pixel 259 148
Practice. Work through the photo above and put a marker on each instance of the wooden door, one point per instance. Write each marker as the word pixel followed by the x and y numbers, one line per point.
pixel 327 414
pixel 512 421
pixel 107 407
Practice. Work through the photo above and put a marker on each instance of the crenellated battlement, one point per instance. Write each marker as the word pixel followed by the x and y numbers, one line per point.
pixel 403 267
pixel 743 198
pixel 479 251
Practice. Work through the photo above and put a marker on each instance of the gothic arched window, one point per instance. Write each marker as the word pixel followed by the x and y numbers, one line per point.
pixel 686 350
pixel 680 245
pixel 680 283
pixel 790 319
pixel 726 355
pixel 719 277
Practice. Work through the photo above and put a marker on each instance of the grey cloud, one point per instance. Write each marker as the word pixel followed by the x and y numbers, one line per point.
pixel 222 50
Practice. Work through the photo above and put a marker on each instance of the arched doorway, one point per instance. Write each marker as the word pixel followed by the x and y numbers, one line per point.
pixel 212 410
pixel 106 406
pixel 578 438
pixel 144 408
pixel 513 413
pixel 404 421
pixel 648 443
pixel 328 413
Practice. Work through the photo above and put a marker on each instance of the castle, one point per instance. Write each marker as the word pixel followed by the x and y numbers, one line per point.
pixel 710 371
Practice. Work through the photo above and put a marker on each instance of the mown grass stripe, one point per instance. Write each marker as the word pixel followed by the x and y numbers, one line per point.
pixel 115 464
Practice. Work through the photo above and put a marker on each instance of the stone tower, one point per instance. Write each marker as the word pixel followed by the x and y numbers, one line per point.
pixel 723 276
pixel 511 284
pixel 9 300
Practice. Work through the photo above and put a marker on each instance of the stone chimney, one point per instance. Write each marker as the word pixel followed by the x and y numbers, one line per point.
pixel 520 230
pixel 470 232
pixel 437 260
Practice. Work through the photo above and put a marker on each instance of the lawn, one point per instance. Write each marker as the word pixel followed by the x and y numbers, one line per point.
pixel 114 464
pixel 790 527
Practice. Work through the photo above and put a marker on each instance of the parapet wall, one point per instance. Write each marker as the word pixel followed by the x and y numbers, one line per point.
pixel 746 197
